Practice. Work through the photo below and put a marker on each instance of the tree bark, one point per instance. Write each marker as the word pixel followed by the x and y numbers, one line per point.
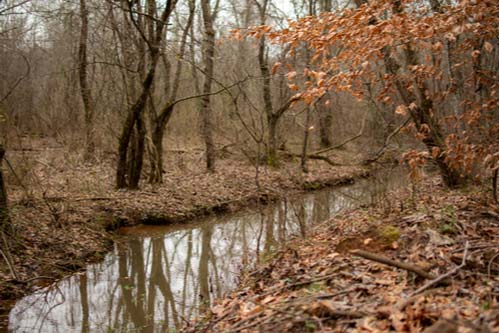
pixel 156 175
pixel 272 140
pixel 325 120
pixel 127 130
pixel 4 210
pixel 85 90
pixel 303 157
pixel 205 107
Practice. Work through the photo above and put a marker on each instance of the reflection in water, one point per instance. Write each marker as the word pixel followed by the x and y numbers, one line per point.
pixel 163 276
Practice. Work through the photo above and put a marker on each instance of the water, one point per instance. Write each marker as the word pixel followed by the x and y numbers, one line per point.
pixel 160 276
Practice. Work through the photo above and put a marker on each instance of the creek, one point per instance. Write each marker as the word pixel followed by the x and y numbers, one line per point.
pixel 157 277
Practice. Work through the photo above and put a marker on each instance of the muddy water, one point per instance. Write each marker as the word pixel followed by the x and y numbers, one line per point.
pixel 160 276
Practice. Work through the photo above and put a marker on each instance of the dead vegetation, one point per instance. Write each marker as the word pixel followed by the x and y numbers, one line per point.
pixel 62 209
pixel 422 262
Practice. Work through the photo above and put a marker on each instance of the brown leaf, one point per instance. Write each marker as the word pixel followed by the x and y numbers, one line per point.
pixel 401 109
pixel 275 68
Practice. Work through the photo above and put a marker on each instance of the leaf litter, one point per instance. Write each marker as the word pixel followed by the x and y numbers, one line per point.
pixel 65 212
pixel 325 283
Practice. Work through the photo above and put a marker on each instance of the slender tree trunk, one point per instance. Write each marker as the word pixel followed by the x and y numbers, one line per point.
pixel 205 108
pixel 303 157
pixel 272 140
pixel 4 210
pixel 85 91
pixel 161 121
pixel 272 118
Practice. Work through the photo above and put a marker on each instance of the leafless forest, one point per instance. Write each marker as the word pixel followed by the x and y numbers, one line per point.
pixel 142 110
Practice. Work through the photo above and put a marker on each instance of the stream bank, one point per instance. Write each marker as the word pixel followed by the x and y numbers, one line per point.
pixel 61 232
pixel 432 265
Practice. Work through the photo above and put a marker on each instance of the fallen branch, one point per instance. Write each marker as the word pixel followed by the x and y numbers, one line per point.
pixel 386 261
pixel 444 276
pixel 312 156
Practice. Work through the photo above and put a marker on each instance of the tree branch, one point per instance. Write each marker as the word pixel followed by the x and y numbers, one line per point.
pixel 387 140
pixel 343 143
pixel 390 262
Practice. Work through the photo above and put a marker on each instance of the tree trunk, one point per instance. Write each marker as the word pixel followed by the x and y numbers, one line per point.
pixel 271 116
pixel 85 91
pixel 303 157
pixel 272 140
pixel 160 121
pixel 4 210
pixel 156 175
pixel 135 112
pixel 127 130
pixel 422 113
pixel 325 120
pixel 205 108
pixel 156 161
pixel 423 118
pixel 137 157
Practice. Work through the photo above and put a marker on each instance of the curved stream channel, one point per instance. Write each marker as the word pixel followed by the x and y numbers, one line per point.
pixel 159 276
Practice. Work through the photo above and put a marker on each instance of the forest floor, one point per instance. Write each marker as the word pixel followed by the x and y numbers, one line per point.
pixel 424 260
pixel 64 212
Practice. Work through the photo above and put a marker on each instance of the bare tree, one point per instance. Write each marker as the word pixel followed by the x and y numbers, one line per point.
pixel 205 106
pixel 161 119
pixel 134 114
pixel 85 91
pixel 273 114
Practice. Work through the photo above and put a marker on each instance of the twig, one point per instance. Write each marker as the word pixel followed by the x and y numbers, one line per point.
pixel 93 199
pixel 12 271
pixel 296 284
pixel 444 276
pixel 41 277
pixel 386 142
pixel 491 263
pixel 390 262
pixel 346 141
pixel 401 305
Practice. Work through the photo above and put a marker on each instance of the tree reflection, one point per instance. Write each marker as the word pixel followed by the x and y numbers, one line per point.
pixel 154 283
pixel 85 303
pixel 203 274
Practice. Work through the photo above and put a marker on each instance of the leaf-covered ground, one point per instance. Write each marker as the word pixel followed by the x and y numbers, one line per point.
pixel 63 210
pixel 324 283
